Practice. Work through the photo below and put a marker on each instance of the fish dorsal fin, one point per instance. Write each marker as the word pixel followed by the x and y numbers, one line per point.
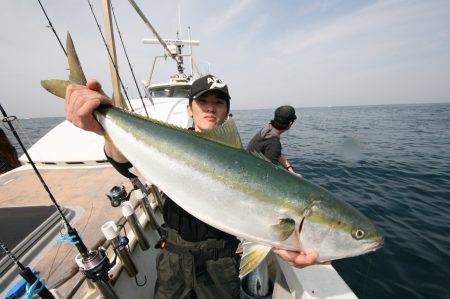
pixel 227 134
pixel 261 156
pixel 253 254
pixel 76 72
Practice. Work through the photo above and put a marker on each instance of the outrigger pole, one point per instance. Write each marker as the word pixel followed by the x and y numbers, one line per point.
pixel 111 47
pixel 155 33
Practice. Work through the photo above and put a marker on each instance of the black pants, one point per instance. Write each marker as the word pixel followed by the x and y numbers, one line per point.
pixel 178 276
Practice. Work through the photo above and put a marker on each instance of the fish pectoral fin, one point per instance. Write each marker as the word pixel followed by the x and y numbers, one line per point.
pixel 227 134
pixel 284 228
pixel 56 87
pixel 253 254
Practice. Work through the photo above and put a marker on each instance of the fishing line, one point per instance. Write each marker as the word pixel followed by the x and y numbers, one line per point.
pixel 109 54
pixel 126 55
pixel 367 275
pixel 50 25
pixel 70 250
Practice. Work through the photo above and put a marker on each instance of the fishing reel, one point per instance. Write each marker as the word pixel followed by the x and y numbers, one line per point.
pixel 96 265
pixel 117 195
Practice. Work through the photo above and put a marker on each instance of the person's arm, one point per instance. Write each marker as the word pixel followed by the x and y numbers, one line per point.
pixel 81 101
pixel 285 163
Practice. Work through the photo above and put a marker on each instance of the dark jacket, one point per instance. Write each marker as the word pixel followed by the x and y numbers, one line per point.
pixel 267 142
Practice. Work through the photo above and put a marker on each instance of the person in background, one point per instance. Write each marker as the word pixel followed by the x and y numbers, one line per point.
pixel 267 140
pixel 8 154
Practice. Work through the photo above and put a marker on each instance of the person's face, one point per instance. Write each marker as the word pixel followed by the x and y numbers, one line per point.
pixel 208 112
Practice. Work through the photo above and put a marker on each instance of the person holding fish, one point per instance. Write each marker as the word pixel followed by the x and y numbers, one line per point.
pixel 197 260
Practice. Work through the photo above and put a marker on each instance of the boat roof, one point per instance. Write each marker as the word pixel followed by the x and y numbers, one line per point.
pixel 169 84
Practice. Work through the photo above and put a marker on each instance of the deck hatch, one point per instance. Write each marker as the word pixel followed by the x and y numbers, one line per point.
pixel 18 222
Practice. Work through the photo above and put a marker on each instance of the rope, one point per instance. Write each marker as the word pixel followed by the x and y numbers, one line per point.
pixel 109 54
pixel 31 290
pixel 128 60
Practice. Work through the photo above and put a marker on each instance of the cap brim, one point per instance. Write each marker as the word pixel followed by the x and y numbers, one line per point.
pixel 213 89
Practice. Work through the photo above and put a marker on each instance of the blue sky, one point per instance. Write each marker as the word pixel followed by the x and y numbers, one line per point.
pixel 303 53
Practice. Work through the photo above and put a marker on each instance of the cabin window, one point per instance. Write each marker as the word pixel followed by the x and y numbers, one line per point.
pixel 181 91
pixel 177 91
pixel 160 92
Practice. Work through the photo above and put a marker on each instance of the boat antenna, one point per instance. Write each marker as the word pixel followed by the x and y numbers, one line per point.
pixel 179 20
pixel 38 287
pixel 109 53
pixel 72 232
pixel 128 59
pixel 190 50
pixel 50 25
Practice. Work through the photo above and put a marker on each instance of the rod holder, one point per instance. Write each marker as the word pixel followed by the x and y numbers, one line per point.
pixel 156 195
pixel 141 195
pixel 120 243
pixel 129 213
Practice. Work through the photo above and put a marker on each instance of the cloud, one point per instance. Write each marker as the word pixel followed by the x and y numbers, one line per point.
pixel 221 21
pixel 385 17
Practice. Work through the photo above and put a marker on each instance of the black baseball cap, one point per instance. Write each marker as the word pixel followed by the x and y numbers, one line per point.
pixel 283 116
pixel 209 83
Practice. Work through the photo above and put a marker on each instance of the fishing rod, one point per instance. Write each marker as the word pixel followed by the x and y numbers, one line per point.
pixel 50 25
pixel 38 287
pixel 128 59
pixel 94 264
pixel 70 230
pixel 109 53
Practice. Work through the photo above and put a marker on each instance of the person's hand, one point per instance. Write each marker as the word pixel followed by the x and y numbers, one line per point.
pixel 291 170
pixel 298 174
pixel 81 101
pixel 298 259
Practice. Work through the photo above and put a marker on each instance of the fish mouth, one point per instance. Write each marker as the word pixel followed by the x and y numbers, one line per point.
pixel 376 245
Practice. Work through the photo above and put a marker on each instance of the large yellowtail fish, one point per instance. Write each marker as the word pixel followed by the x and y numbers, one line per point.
pixel 213 178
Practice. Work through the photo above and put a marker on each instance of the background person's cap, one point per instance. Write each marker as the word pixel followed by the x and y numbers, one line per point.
pixel 283 116
pixel 208 83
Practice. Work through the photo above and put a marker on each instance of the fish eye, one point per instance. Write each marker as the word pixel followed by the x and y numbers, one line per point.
pixel 358 234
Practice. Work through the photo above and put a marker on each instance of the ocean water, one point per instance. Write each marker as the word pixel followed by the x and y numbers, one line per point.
pixel 393 164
